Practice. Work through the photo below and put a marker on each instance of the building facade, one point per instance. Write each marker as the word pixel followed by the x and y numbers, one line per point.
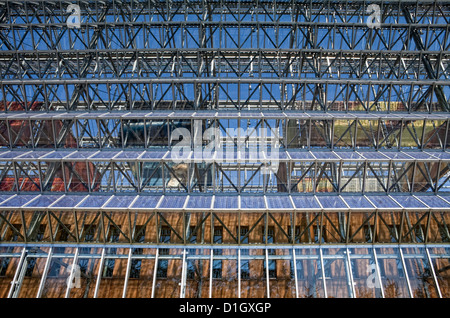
pixel 215 148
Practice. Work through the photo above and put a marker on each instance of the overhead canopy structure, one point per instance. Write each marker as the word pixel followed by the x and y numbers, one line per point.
pixel 315 148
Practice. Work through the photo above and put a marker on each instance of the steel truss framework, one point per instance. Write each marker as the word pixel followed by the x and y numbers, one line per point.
pixel 88 125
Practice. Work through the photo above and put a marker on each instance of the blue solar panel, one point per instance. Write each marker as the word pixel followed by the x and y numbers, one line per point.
pixel 252 202
pixel 349 155
pixel 325 155
pixel 225 202
pixel 10 154
pixel 409 202
pixel 32 155
pixel 18 201
pixel 81 154
pixel 279 202
pixel 441 155
pixel 375 155
pixel 57 154
pixel 172 202
pixel 4 197
pixel 199 202
pixel 397 155
pixel 146 202
pixel 433 201
pixel 104 155
pixel 153 155
pixel 305 202
pixel 331 202
pixel 301 155
pixel 43 201
pixel 382 201
pixel 94 201
pixel 68 201
pixel 120 201
pixel 355 202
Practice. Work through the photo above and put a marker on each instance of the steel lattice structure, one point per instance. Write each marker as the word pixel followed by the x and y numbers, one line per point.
pixel 358 117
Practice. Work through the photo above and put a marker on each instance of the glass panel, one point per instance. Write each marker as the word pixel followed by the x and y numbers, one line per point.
pixel 357 202
pixel 8 267
pixel 419 273
pixel 225 278
pixel 140 281
pixel 281 282
pixel 57 277
pixel 439 230
pixel 279 202
pixel 392 273
pixel 113 271
pixel 172 202
pixel 147 202
pixel 88 263
pixel 199 202
pixel 334 227
pixel 362 227
pixel 305 202
pixel 13 230
pixel 440 257
pixel 336 273
pixel 252 202
pixel 309 275
pixel 365 273
pixel 94 201
pixel 225 202
pixel 197 275
pixel 32 267
pixel 168 274
pixel 307 227
pixel 388 227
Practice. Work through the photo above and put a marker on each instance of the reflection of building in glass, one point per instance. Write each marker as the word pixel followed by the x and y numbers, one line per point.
pixel 356 205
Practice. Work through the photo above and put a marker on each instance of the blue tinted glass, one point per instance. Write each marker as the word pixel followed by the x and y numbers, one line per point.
pixel 382 201
pixel 331 202
pixel 325 155
pixel 252 202
pixel 153 154
pixel 281 202
pixel 148 202
pixel 301 155
pixel 225 202
pixel 120 201
pixel 18 201
pixel 44 201
pixel 433 201
pixel 172 202
pixel 304 202
pixel 409 202
pixel 199 202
